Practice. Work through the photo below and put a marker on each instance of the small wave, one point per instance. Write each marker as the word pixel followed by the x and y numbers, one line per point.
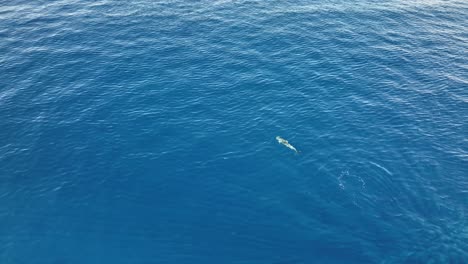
pixel 381 167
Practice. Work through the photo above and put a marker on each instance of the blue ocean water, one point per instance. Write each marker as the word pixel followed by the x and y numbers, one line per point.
pixel 144 131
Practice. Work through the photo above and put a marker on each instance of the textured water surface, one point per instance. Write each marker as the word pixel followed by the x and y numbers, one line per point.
pixel 144 131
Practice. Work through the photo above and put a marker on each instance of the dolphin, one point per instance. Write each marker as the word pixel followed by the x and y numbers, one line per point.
pixel 286 143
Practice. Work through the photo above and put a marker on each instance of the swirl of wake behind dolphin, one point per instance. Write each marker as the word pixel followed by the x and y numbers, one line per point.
pixel 286 143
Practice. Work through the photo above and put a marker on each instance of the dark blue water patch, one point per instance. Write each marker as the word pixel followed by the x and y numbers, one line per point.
pixel 144 132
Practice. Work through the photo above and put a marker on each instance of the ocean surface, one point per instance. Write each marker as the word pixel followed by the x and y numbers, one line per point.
pixel 144 131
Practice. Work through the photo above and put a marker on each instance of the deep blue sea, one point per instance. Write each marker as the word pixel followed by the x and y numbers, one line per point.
pixel 143 132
